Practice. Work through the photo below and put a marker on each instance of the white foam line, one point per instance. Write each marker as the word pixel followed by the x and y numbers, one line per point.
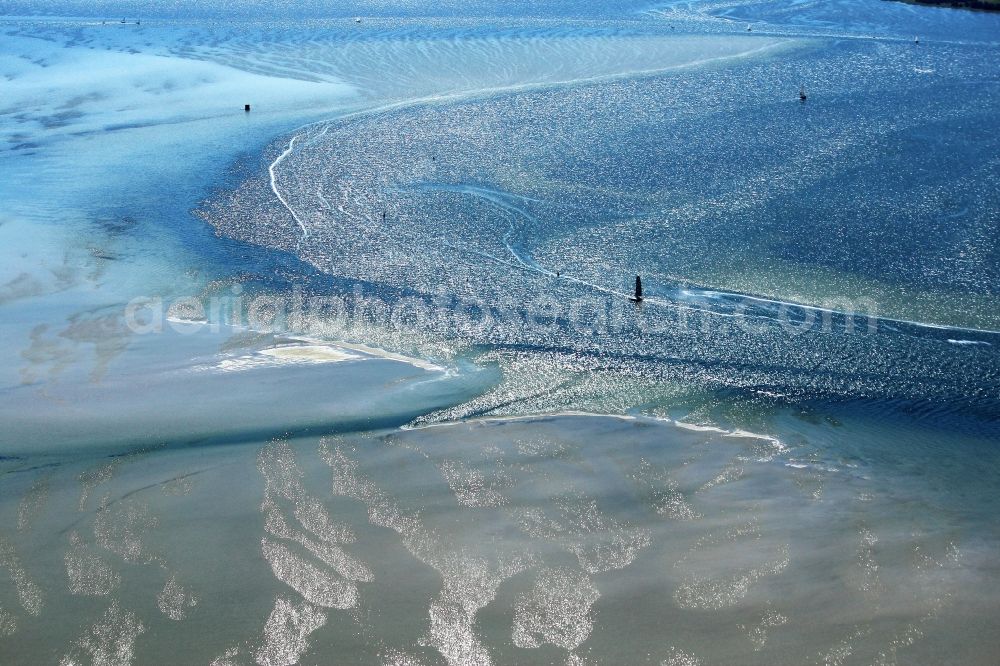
pixel 621 417
pixel 725 433
pixel 316 342
pixel 753 435
pixel 316 353
pixel 191 322
pixel 382 353
pixel 816 308
pixel 522 417
pixel 312 353
pixel 277 193
pixel 377 352
pixel 969 342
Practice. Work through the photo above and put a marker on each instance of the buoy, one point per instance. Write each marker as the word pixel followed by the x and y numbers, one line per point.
pixel 916 40
pixel 802 93
pixel 246 107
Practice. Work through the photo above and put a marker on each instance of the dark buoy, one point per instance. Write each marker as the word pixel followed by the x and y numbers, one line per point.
pixel 638 290
pixel 802 93
pixel 246 107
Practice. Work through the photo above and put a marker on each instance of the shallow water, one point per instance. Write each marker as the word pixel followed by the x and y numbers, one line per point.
pixel 467 446
pixel 601 539
pixel 547 203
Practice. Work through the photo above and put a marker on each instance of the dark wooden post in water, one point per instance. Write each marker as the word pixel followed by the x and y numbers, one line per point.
pixel 246 107
pixel 638 290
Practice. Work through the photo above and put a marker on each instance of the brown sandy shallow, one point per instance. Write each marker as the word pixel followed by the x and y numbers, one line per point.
pixel 564 539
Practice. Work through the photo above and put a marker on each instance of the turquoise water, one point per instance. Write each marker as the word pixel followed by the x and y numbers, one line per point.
pixel 353 378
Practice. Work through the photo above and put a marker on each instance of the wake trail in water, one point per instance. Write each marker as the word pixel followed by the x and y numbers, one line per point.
pixel 692 295
pixel 501 200
pixel 525 261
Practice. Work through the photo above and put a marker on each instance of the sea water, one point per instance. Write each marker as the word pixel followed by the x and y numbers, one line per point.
pixel 353 377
